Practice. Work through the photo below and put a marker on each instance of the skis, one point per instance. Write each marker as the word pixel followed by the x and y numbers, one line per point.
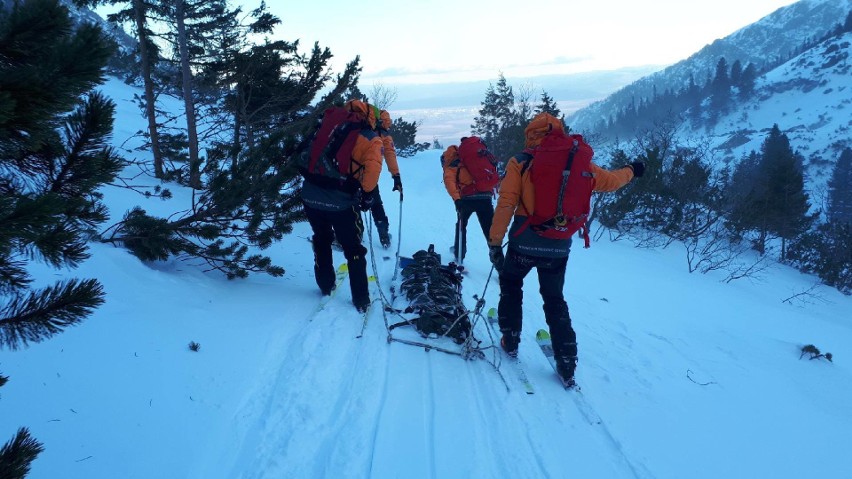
pixel 542 337
pixel 365 316
pixel 514 362
pixel 339 276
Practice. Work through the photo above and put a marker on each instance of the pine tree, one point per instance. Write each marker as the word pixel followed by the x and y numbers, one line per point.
pixel 137 14
pixel 768 195
pixel 404 138
pixel 53 158
pixel 501 120
pixel 271 91
pixel 17 455
pixel 789 202
pixel 195 25
pixel 720 89
pixel 50 203
pixel 736 73
pixel 496 111
pixel 747 81
pixel 840 191
pixel 548 105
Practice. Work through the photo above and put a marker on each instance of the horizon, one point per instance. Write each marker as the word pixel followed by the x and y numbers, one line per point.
pixel 658 33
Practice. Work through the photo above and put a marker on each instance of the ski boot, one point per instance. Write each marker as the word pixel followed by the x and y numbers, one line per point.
pixel 565 367
pixel 384 235
pixel 509 342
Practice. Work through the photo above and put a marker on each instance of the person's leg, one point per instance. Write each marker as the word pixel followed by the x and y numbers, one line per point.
pixel 465 210
pixel 380 219
pixel 551 277
pixel 485 214
pixel 321 225
pixel 349 229
pixel 510 307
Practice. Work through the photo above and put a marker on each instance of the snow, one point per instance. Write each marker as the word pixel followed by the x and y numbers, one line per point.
pixel 691 376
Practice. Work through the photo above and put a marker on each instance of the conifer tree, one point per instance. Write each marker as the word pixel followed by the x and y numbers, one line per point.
pixel 840 189
pixel 17 455
pixel 496 111
pixel 736 73
pixel 49 179
pixel 270 90
pixel 768 193
pixel 404 138
pixel 194 24
pixel 548 105
pixel 137 14
pixel 720 89
pixel 502 119
pixel 747 80
pixel 53 158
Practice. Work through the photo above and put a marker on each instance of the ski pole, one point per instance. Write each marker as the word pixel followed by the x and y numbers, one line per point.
pixel 459 247
pixel 398 243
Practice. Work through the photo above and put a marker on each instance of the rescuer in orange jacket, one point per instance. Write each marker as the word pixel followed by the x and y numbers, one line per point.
pixel 334 212
pixel 527 249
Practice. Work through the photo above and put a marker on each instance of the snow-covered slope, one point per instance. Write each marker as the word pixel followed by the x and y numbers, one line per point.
pixel 691 377
pixel 773 37
pixel 809 97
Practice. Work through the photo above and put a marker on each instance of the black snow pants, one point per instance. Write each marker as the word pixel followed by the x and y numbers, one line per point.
pixel 348 228
pixel 466 207
pixel 551 278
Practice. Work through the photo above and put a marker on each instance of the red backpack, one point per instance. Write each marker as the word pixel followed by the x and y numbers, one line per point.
pixel 561 174
pixel 480 163
pixel 328 161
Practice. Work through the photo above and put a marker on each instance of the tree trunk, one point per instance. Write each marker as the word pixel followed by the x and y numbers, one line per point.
pixel 189 106
pixel 150 111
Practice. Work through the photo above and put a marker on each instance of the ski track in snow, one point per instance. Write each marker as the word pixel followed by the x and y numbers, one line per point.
pixel 354 424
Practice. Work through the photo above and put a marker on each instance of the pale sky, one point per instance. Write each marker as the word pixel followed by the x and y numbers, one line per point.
pixel 418 41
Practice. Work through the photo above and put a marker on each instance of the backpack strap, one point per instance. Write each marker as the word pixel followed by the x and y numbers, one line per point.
pixel 524 158
pixel 565 173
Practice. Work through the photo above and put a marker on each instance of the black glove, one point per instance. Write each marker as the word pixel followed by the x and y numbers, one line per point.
pixel 397 183
pixel 638 168
pixel 495 254
pixel 366 200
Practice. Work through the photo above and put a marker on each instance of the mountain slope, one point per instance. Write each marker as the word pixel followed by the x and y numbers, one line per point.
pixel 772 38
pixel 809 97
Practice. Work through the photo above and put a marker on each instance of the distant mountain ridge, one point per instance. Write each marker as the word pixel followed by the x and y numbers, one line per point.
pixel 772 38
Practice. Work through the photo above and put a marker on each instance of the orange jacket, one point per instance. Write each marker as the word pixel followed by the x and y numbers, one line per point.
pixel 389 153
pixel 383 125
pixel 517 193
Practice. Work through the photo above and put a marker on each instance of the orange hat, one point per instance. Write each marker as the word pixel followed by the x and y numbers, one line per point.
pixel 362 108
pixel 385 118
pixel 542 124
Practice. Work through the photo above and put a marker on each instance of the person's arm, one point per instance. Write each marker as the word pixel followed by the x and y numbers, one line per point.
pixel 507 202
pixel 450 174
pixel 390 155
pixel 607 181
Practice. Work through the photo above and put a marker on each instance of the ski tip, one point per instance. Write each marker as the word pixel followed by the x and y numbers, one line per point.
pixel 343 267
pixel 371 278
pixel 542 335
pixel 492 313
